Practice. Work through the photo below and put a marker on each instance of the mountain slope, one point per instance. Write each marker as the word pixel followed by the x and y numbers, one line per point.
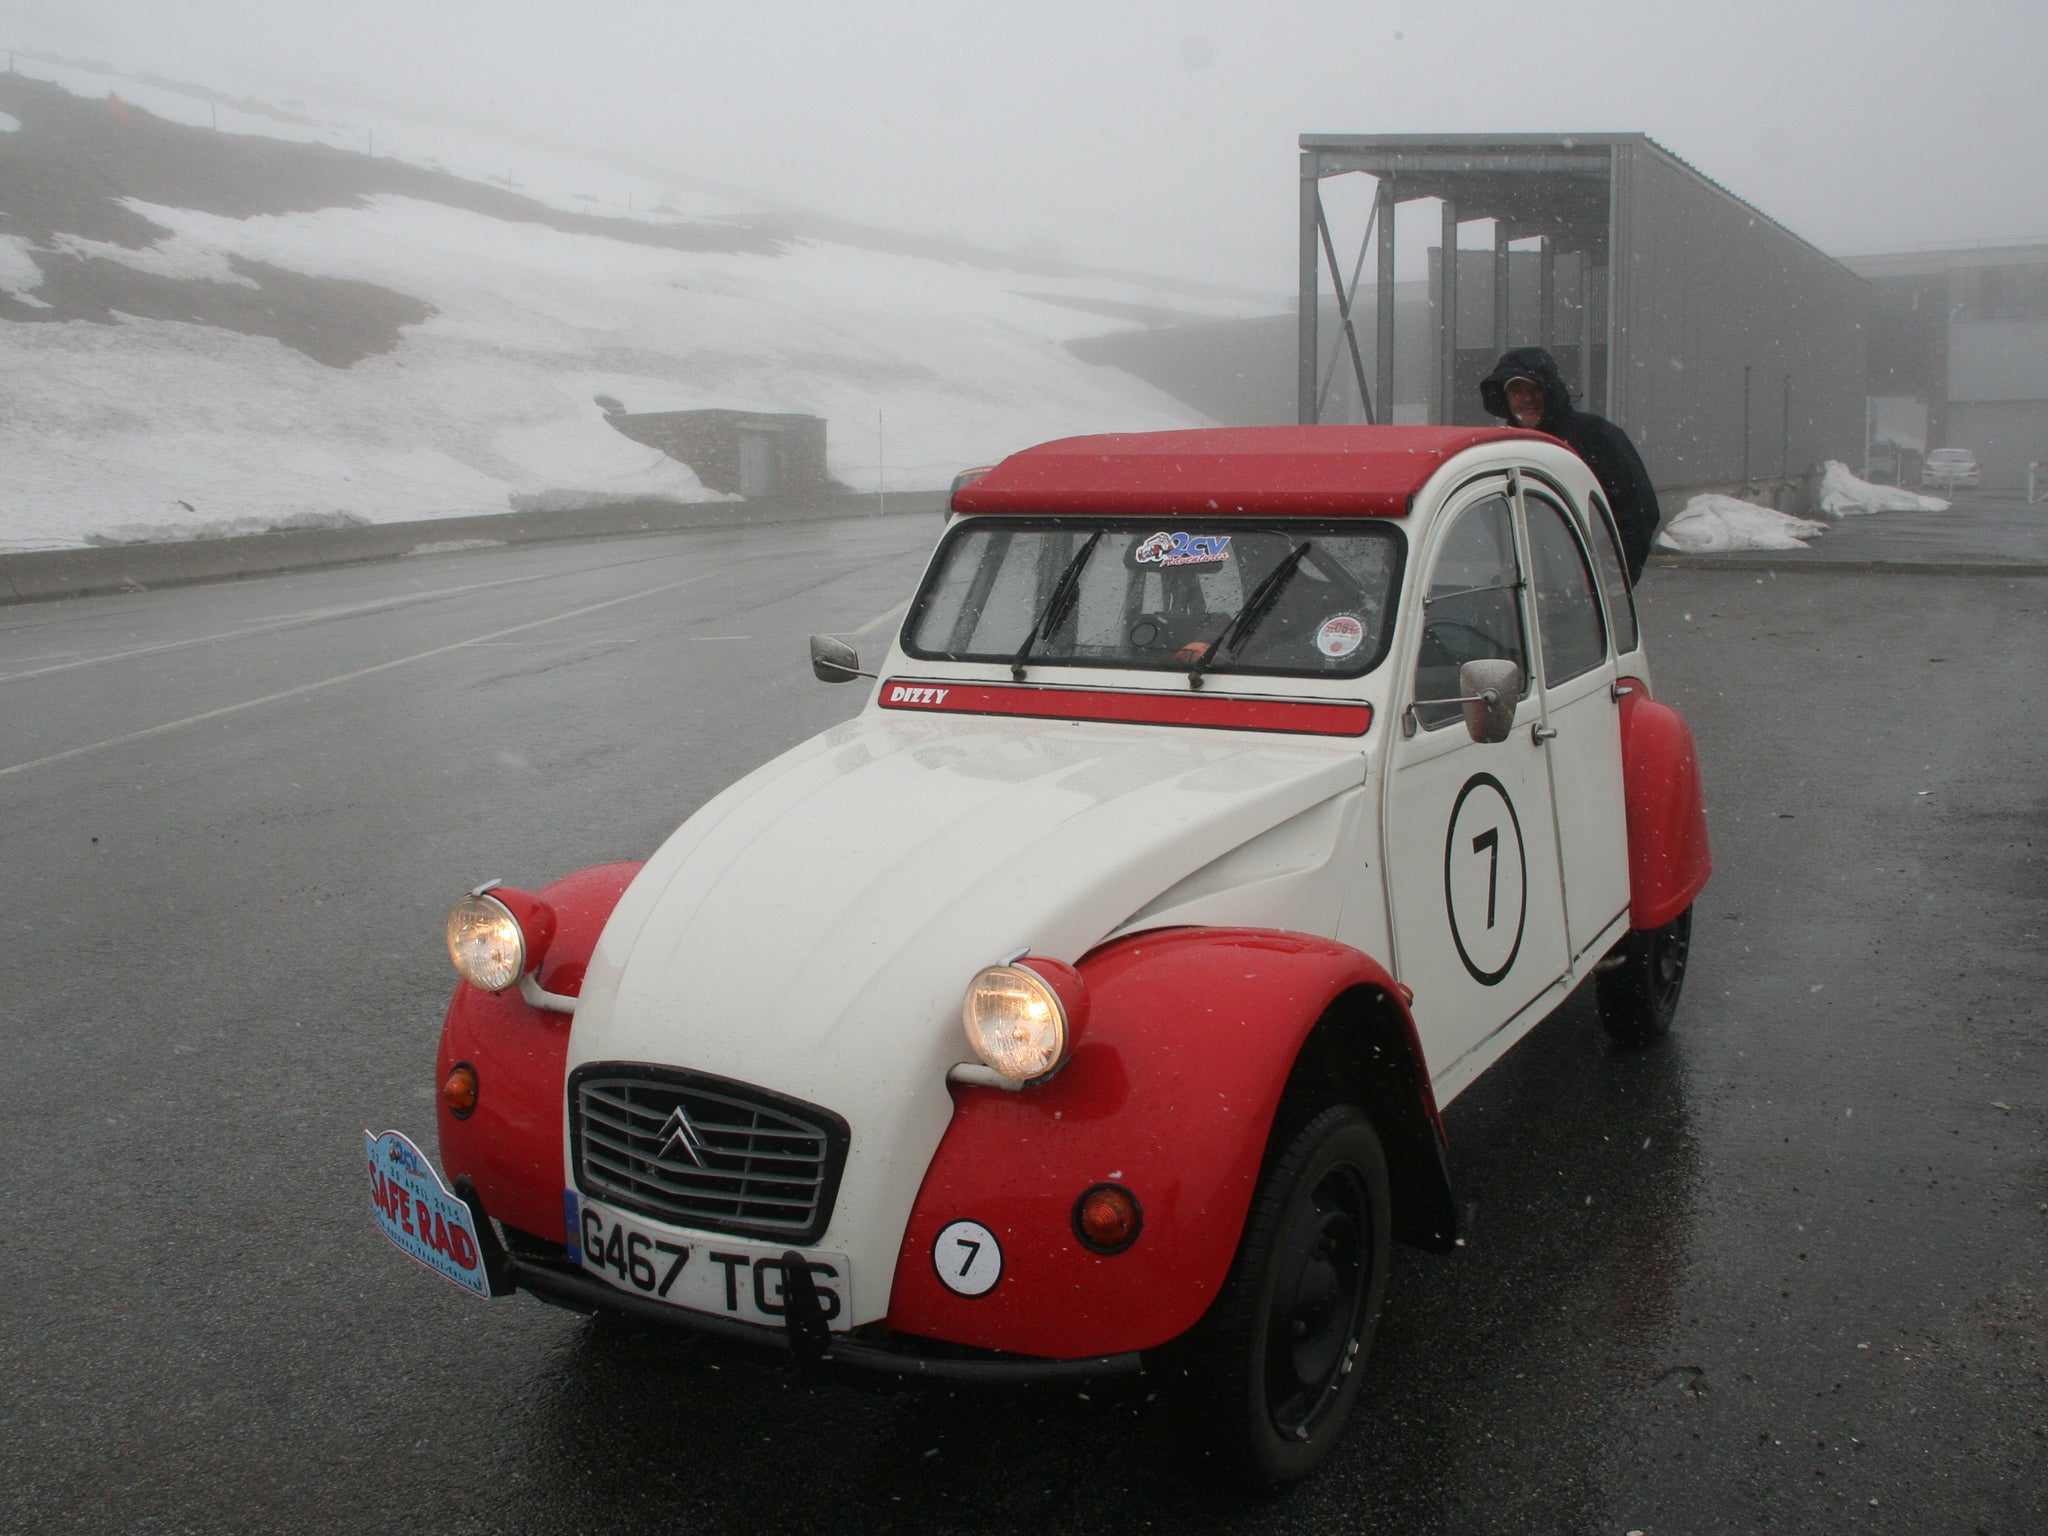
pixel 207 332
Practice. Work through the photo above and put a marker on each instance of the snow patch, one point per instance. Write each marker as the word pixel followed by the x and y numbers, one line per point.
pixel 1714 525
pixel 9 123
pixel 222 528
pixel 18 270
pixel 919 367
pixel 173 258
pixel 1843 494
pixel 454 546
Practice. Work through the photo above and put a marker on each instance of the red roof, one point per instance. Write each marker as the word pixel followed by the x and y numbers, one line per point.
pixel 1270 471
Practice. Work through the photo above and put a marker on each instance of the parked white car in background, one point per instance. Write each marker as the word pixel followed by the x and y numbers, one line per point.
pixel 1951 469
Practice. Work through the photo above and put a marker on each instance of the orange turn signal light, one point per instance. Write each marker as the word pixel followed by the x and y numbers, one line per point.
pixel 1107 1218
pixel 458 1092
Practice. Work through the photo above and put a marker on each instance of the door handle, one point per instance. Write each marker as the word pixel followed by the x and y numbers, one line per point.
pixel 1542 733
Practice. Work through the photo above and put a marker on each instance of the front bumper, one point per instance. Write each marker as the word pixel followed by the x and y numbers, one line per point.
pixel 557 1282
pixel 804 1341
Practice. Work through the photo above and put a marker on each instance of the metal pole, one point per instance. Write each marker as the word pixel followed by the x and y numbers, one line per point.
pixel 1546 292
pixel 1447 318
pixel 1745 431
pixel 1383 301
pixel 881 481
pixel 1503 274
pixel 1305 320
pixel 1785 442
pixel 1586 328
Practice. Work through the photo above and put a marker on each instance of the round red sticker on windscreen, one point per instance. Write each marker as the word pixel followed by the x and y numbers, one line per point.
pixel 1340 636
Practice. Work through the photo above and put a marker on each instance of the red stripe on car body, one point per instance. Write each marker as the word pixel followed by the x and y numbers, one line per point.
pixel 1300 717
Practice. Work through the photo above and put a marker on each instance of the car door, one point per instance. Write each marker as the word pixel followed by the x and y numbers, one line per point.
pixel 1581 727
pixel 1473 889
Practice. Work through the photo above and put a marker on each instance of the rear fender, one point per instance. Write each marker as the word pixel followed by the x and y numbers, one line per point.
pixel 1668 857
pixel 1193 1038
pixel 511 1143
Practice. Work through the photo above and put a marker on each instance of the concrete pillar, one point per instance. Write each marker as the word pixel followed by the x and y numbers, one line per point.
pixel 1383 303
pixel 1447 317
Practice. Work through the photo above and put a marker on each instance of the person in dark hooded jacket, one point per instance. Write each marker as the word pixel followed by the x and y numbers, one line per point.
pixel 1526 390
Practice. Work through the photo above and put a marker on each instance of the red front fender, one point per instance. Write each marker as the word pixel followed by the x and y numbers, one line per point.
pixel 1171 1092
pixel 511 1144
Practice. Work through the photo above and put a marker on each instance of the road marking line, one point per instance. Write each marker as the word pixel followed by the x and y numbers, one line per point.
pixel 346 677
pixel 270 626
pixel 880 619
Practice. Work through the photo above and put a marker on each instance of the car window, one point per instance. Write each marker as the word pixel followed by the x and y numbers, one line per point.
pixel 1621 603
pixel 1472 609
pixel 1162 593
pixel 1574 640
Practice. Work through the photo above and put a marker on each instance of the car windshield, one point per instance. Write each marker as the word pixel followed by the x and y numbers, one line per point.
pixel 1162 593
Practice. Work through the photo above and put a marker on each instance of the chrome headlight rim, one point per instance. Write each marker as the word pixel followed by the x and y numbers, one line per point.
pixel 1029 1061
pixel 481 904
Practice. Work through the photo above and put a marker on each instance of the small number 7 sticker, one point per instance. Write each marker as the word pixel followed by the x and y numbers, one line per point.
pixel 968 1258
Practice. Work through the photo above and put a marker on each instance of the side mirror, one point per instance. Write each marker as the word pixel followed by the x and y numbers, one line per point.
pixel 834 661
pixel 1491 689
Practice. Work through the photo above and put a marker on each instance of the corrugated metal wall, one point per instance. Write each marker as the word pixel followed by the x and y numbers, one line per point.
pixel 1704 288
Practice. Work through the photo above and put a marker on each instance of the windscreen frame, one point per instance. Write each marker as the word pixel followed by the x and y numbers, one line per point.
pixel 1292 529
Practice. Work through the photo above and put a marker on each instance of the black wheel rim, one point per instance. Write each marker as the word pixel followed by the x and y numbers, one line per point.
pixel 1667 961
pixel 1318 1303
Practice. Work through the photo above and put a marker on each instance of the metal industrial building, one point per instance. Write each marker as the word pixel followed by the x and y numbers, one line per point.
pixel 1959 358
pixel 1731 350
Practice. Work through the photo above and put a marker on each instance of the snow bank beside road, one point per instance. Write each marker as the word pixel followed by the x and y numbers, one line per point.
pixel 1715 525
pixel 1843 494
pixel 112 431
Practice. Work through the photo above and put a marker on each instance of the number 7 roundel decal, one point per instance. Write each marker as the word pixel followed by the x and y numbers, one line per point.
pixel 968 1258
pixel 1486 879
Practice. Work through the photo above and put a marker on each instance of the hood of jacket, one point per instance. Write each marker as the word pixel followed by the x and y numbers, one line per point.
pixel 1527 363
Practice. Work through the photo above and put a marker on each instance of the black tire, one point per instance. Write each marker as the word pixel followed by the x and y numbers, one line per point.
pixel 1639 997
pixel 1296 1317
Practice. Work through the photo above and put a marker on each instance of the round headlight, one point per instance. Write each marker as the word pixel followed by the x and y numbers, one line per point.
pixel 1015 1022
pixel 485 942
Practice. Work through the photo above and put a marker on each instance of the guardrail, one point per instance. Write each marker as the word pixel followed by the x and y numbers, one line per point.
pixel 27 575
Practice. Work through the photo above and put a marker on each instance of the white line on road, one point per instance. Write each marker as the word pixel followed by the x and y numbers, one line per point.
pixel 270 626
pixel 880 619
pixel 346 677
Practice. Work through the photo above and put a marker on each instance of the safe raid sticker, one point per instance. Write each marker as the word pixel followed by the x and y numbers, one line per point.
pixel 1340 635
pixel 968 1258
pixel 1183 549
pixel 420 1214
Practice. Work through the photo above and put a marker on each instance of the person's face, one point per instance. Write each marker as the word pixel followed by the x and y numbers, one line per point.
pixel 1525 401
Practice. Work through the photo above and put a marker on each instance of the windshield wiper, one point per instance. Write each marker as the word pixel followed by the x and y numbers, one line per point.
pixel 1064 591
pixel 1255 608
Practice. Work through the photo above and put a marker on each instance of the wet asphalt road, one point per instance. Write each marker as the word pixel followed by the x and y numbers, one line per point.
pixel 1782 1273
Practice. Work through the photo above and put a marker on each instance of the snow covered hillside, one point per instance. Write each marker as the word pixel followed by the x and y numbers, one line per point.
pixel 207 331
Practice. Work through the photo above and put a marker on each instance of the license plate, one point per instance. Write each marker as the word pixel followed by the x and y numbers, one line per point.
pixel 719 1275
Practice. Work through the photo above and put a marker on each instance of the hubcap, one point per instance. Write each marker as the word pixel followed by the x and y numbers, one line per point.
pixel 1667 960
pixel 1318 1303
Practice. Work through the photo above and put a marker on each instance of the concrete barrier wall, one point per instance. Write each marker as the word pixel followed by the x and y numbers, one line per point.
pixel 51 573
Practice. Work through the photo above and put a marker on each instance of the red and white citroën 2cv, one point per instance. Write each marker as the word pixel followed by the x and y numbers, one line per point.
pixel 1228 802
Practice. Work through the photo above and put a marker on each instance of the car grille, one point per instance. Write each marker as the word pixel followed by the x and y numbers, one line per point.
pixel 701 1151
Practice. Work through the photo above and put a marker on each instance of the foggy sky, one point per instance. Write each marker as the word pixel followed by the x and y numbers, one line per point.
pixel 1161 136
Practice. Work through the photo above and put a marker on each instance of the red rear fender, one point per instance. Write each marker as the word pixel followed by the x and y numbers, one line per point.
pixel 511 1143
pixel 1668 857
